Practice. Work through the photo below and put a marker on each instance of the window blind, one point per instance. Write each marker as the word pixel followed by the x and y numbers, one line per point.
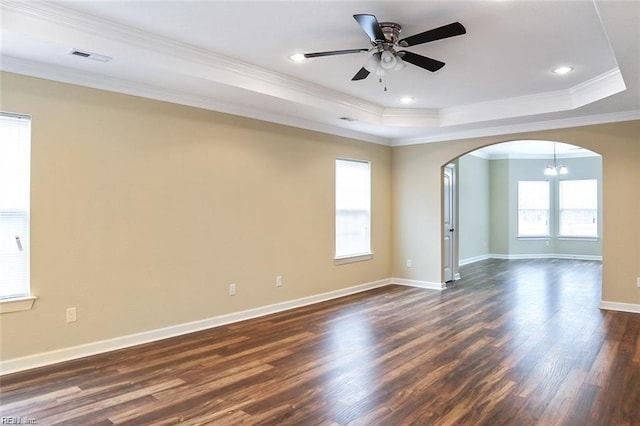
pixel 15 159
pixel 579 208
pixel 353 208
pixel 533 208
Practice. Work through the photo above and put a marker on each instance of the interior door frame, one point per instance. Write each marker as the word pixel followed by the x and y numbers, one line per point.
pixel 449 224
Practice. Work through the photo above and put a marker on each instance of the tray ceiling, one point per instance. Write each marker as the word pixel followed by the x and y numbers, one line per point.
pixel 233 56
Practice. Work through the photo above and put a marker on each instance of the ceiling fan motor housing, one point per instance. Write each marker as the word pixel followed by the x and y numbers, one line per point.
pixel 391 31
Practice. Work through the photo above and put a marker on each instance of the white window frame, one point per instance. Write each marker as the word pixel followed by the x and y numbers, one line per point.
pixel 561 209
pixel 547 233
pixel 349 202
pixel 15 165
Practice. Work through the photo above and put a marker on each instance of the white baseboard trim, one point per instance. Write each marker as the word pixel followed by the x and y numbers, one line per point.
pixel 420 284
pixel 546 256
pixel 621 307
pixel 80 351
pixel 529 256
pixel 474 259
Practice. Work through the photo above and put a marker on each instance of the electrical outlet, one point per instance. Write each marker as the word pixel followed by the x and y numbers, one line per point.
pixel 409 263
pixel 279 281
pixel 72 315
pixel 232 289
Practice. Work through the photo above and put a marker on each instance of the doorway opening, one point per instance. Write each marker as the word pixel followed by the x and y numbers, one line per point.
pixel 487 196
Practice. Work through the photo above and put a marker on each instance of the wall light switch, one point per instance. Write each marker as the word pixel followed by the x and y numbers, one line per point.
pixel 232 289
pixel 409 263
pixel 279 281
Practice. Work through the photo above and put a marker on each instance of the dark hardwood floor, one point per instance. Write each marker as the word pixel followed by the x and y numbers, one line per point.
pixel 513 343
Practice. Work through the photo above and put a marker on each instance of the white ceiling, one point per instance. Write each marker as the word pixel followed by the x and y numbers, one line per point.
pixel 232 56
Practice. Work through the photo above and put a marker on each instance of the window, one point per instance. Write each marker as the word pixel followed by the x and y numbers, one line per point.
pixel 353 209
pixel 533 209
pixel 15 151
pixel 579 208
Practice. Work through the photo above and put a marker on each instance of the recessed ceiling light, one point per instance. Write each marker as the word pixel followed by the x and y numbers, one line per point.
pixel 562 70
pixel 297 57
pixel 407 99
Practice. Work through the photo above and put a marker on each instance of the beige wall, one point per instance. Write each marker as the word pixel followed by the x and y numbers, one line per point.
pixel 143 213
pixel 416 193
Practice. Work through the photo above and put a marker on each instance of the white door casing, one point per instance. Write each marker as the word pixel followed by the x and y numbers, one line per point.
pixel 449 214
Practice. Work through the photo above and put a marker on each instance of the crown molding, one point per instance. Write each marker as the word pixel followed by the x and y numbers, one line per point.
pixel 524 127
pixel 479 154
pixel 102 82
pixel 599 87
pixel 594 89
pixel 96 81
pixel 127 87
pixel 520 156
pixel 410 117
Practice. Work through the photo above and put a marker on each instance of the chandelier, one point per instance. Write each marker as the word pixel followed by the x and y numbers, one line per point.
pixel 554 170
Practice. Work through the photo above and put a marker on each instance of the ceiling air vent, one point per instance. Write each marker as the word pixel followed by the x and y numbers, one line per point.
pixel 90 55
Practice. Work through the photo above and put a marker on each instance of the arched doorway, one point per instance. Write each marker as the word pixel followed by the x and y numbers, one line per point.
pixel 492 211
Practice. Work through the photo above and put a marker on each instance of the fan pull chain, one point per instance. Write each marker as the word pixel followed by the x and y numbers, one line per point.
pixel 383 80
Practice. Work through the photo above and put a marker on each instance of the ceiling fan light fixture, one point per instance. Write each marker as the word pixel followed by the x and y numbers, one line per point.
pixel 563 170
pixel 550 171
pixel 372 64
pixel 388 60
pixel 400 64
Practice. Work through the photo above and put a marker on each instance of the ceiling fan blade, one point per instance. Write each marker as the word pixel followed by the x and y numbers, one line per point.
pixel 370 25
pixel 333 52
pixel 428 64
pixel 361 75
pixel 439 33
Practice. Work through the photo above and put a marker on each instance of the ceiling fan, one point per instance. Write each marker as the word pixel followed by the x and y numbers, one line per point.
pixel 388 51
